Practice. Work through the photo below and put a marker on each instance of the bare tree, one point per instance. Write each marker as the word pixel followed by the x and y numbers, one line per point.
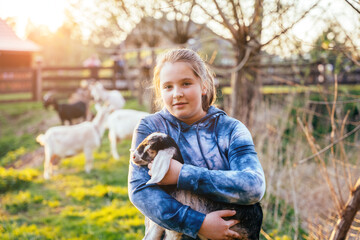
pixel 180 27
pixel 355 5
pixel 348 214
pixel 244 24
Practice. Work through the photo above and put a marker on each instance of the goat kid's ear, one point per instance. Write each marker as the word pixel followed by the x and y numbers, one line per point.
pixel 160 166
pixel 98 107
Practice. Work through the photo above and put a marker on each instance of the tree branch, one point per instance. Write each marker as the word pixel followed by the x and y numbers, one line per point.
pixel 209 15
pixel 236 17
pixel 292 25
pixel 328 147
pixel 358 11
pixel 347 215
pixel 236 68
pixel 226 22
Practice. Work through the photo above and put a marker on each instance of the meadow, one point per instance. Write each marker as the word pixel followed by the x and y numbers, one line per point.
pixel 72 205
pixel 75 205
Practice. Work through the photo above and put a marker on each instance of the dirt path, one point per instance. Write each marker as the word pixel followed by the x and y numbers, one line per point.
pixel 32 159
pixel 35 158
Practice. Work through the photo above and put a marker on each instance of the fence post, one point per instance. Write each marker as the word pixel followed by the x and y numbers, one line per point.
pixel 34 85
pixel 115 71
pixel 38 80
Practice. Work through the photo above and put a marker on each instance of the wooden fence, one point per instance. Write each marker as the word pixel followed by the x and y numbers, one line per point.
pixel 34 82
pixel 29 84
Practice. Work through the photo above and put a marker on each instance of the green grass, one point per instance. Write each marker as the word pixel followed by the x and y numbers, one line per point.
pixel 19 125
pixel 15 96
pixel 353 89
pixel 73 204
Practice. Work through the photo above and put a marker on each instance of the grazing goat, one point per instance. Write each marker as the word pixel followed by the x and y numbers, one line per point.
pixel 65 141
pixel 82 94
pixel 66 111
pixel 161 148
pixel 111 97
pixel 121 124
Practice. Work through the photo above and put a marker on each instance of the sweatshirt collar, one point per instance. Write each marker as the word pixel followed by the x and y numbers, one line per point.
pixel 211 113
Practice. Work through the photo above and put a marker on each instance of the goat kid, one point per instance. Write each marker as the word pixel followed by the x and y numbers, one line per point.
pixel 66 111
pixel 82 94
pixel 65 141
pixel 111 97
pixel 160 148
pixel 121 124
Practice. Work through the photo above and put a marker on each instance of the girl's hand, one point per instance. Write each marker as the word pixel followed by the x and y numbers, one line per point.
pixel 172 175
pixel 216 228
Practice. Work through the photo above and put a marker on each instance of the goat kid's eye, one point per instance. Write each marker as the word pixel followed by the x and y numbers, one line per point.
pixel 151 153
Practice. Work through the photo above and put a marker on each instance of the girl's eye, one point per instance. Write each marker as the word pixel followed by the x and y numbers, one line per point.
pixel 167 87
pixel 187 84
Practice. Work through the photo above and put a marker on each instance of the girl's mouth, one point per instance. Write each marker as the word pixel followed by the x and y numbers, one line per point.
pixel 179 104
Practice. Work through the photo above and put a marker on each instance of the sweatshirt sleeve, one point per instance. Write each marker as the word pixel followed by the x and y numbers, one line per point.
pixel 154 202
pixel 243 183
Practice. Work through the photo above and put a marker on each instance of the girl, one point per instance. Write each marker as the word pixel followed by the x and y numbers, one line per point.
pixel 218 151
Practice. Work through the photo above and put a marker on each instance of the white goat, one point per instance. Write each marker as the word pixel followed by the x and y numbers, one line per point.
pixel 65 141
pixel 111 97
pixel 121 124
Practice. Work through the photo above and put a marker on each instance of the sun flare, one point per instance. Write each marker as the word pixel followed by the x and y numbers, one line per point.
pixel 49 13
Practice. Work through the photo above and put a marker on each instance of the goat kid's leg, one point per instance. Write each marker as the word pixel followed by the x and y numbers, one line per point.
pixel 112 138
pixel 153 231
pixel 88 159
pixel 172 235
pixel 48 167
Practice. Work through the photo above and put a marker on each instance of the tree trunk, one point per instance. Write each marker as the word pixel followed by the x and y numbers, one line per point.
pixel 246 84
pixel 347 216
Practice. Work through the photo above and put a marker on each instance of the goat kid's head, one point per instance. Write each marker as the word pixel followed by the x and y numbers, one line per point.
pixel 48 99
pixel 159 149
pixel 148 149
pixel 95 90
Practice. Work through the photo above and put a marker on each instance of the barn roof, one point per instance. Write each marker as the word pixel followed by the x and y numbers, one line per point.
pixel 10 42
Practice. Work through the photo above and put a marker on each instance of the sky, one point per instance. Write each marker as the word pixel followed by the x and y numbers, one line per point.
pixel 41 12
pixel 51 14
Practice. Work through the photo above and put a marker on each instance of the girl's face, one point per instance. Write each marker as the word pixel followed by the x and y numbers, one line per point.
pixel 181 91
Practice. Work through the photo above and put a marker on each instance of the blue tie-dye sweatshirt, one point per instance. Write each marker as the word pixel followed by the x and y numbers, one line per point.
pixel 220 163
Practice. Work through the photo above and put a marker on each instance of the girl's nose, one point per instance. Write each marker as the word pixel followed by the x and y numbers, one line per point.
pixel 178 93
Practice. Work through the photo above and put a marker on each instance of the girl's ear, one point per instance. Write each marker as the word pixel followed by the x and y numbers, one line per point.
pixel 203 90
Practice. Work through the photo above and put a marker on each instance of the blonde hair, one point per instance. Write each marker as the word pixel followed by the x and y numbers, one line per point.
pixel 199 68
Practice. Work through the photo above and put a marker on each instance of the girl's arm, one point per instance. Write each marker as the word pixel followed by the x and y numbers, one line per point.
pixel 243 184
pixel 155 203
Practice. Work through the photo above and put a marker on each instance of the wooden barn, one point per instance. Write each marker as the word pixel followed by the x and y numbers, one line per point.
pixel 15 52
